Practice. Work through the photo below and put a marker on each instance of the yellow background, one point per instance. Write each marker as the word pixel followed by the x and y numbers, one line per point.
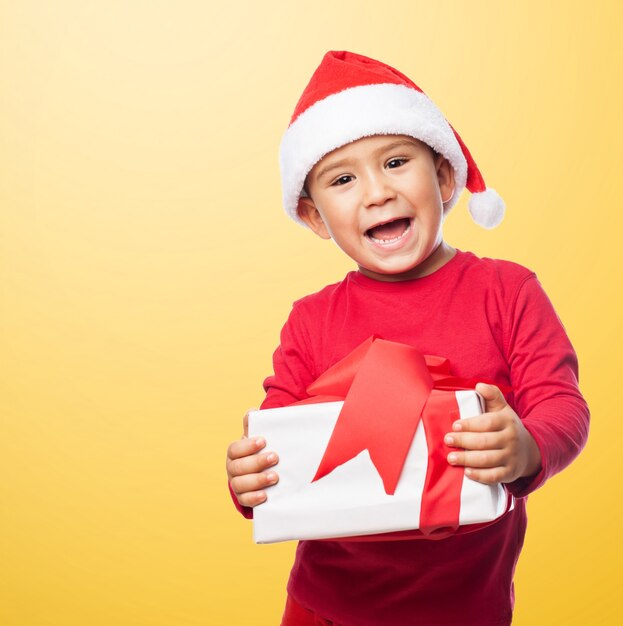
pixel 146 269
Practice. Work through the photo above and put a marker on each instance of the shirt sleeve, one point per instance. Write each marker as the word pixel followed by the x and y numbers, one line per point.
pixel 293 371
pixel 293 364
pixel 544 377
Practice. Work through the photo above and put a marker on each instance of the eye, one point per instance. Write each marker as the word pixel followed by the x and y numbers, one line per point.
pixel 394 163
pixel 342 180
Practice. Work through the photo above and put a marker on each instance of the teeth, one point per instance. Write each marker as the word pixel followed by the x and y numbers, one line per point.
pixel 387 241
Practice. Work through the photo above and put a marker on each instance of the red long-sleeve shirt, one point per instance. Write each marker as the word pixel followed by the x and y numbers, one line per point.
pixel 493 320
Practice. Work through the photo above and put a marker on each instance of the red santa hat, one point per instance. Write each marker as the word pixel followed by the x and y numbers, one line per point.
pixel 351 96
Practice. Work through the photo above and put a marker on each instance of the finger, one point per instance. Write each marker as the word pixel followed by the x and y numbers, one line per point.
pixel 488 476
pixel 245 423
pixel 252 498
pixel 245 447
pixel 483 423
pixel 253 482
pixel 494 398
pixel 476 440
pixel 251 464
pixel 477 458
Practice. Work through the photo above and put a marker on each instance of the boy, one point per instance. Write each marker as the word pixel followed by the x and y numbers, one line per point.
pixel 369 161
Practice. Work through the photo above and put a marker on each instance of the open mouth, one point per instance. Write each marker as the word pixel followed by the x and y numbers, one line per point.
pixel 389 232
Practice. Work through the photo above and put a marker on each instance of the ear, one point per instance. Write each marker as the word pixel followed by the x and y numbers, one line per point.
pixel 445 177
pixel 307 211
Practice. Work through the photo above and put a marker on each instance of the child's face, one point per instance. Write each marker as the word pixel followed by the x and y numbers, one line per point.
pixel 380 199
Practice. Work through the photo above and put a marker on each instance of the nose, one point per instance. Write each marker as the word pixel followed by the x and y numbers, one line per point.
pixel 377 190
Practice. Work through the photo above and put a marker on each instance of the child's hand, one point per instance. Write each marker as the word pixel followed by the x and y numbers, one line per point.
pixel 497 447
pixel 245 468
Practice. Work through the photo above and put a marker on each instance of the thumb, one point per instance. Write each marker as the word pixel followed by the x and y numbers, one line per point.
pixel 245 424
pixel 494 398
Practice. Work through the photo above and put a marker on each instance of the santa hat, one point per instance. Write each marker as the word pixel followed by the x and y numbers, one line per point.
pixel 351 96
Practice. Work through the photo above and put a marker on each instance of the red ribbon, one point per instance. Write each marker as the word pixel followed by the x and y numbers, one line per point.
pixel 387 388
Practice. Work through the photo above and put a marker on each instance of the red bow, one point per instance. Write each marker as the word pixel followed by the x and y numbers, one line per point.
pixel 387 387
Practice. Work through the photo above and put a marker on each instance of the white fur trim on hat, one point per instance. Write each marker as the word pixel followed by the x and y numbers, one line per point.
pixel 343 117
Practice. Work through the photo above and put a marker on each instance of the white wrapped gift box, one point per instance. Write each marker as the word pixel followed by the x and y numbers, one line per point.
pixel 351 500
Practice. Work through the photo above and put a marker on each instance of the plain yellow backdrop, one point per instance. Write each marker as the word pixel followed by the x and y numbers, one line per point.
pixel 146 268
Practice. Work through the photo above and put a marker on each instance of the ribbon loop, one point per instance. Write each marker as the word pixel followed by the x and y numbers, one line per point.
pixel 381 410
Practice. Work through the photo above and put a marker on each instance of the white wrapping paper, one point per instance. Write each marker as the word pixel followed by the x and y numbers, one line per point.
pixel 351 500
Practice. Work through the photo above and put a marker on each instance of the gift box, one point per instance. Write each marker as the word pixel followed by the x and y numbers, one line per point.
pixel 364 459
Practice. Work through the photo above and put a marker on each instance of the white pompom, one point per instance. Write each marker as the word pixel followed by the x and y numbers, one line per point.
pixel 486 208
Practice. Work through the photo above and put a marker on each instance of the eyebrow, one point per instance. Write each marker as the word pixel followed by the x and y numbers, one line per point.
pixel 343 162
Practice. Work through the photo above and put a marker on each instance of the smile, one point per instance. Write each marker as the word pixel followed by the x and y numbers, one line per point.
pixel 389 232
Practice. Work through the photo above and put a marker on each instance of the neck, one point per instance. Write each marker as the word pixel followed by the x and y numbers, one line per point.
pixel 438 258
